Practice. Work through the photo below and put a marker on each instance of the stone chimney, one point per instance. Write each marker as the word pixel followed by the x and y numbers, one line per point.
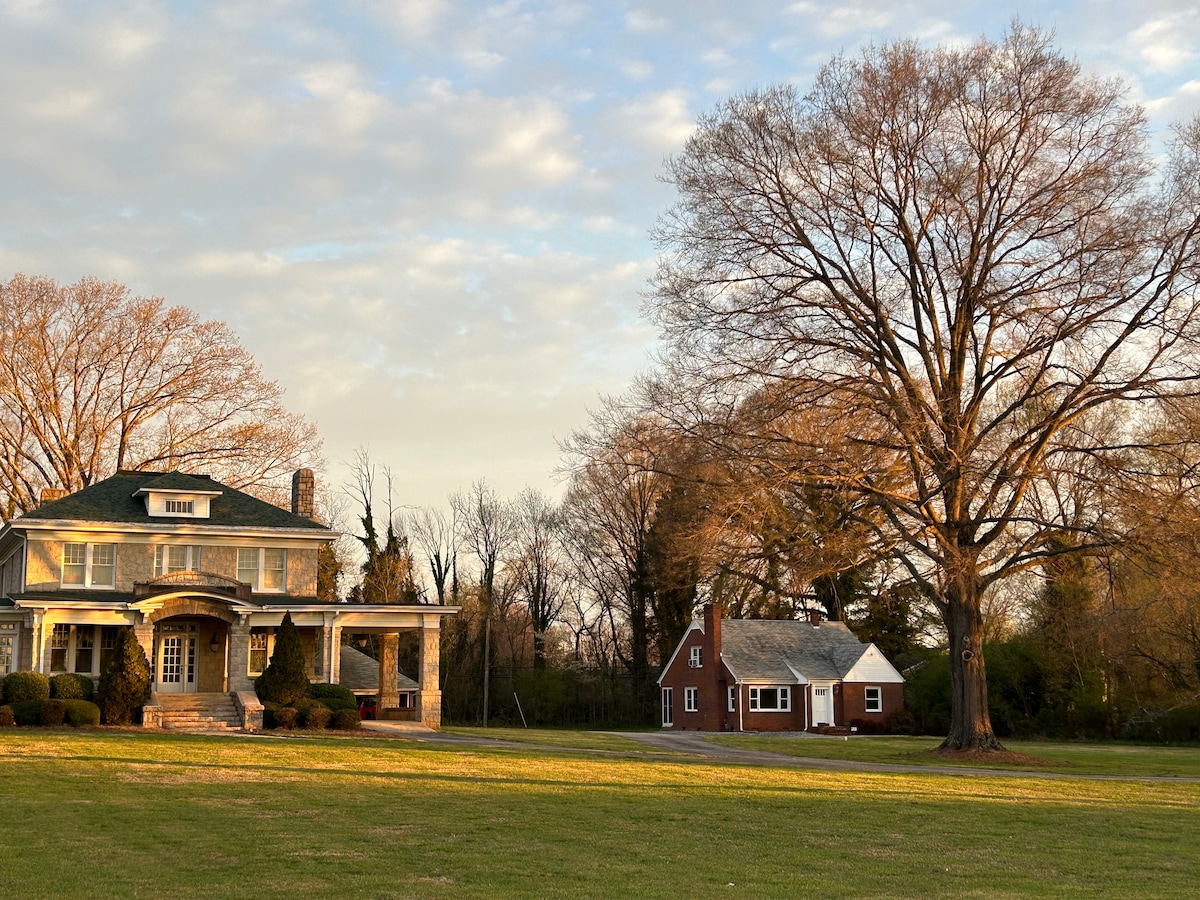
pixel 49 495
pixel 814 618
pixel 303 485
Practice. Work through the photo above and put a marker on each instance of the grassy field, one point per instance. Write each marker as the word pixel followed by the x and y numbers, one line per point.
pixel 95 814
pixel 557 737
pixel 1065 758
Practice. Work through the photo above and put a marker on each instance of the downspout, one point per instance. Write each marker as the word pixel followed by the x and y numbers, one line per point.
pixel 738 687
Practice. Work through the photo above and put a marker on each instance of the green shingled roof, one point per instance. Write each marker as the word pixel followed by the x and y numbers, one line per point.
pixel 114 500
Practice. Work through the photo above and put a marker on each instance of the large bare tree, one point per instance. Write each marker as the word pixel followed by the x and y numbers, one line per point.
pixel 969 251
pixel 94 379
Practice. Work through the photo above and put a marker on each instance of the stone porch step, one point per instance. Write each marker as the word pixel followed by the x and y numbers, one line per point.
pixel 199 712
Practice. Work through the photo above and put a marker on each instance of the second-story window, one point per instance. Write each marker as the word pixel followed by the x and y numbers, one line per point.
pixel 263 568
pixel 694 658
pixel 176 559
pixel 89 565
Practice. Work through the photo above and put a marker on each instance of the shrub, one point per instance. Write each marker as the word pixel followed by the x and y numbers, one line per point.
pixel 125 683
pixel 304 706
pixel 318 718
pixel 71 686
pixel 345 720
pixel 20 686
pixel 80 713
pixel 285 717
pixel 28 712
pixel 333 695
pixel 285 679
pixel 6 717
pixel 54 712
pixel 270 711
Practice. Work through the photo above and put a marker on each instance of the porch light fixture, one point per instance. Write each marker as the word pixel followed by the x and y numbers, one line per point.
pixel 214 645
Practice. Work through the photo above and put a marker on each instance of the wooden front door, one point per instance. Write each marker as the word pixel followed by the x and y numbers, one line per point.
pixel 822 703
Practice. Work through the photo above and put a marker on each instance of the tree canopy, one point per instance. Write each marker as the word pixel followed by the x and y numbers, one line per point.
pixel 94 378
pixel 934 283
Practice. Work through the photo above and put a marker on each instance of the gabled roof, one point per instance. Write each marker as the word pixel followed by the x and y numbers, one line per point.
pixel 776 651
pixel 360 673
pixel 116 500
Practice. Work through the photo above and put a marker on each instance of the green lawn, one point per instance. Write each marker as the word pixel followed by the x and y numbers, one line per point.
pixel 1067 758
pixel 96 814
pixel 558 737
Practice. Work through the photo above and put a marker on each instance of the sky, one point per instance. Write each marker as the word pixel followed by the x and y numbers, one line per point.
pixel 430 220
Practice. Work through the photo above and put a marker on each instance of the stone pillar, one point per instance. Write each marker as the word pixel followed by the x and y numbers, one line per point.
pixel 389 666
pixel 239 656
pixel 144 632
pixel 429 697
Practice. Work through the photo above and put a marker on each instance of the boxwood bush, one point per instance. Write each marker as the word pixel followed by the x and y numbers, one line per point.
pixel 20 686
pixel 54 712
pixel 285 717
pixel 71 686
pixel 80 713
pixel 318 718
pixel 345 720
pixel 28 712
pixel 334 696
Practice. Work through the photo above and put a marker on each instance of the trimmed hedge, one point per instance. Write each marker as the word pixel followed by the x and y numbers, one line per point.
pixel 54 712
pixel 71 686
pixel 7 718
pixel 285 717
pixel 333 692
pixel 21 686
pixel 81 713
pixel 346 720
pixel 28 712
pixel 318 718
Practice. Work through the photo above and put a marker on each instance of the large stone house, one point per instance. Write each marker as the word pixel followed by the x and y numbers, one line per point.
pixel 777 675
pixel 203 574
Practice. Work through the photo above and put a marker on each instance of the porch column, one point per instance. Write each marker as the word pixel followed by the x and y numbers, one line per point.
pixel 389 666
pixel 335 654
pixel 429 697
pixel 144 632
pixel 239 655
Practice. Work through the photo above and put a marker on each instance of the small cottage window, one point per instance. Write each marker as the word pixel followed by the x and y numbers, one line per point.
pixel 694 658
pixel 668 707
pixel 732 698
pixel 691 699
pixel 874 699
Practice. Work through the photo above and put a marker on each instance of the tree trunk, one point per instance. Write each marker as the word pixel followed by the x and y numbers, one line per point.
pixel 970 725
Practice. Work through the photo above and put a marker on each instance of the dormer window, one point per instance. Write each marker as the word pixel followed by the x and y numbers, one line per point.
pixel 180 507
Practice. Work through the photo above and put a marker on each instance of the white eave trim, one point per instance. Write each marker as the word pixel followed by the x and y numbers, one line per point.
pixel 695 626
pixel 196 527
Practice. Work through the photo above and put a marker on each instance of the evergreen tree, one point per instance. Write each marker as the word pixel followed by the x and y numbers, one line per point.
pixel 125 682
pixel 285 680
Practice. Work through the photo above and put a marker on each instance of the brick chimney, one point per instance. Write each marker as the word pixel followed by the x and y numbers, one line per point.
pixel 49 495
pixel 303 485
pixel 814 618
pixel 712 634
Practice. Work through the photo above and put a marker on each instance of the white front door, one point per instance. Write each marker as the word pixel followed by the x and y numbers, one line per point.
pixel 822 702
pixel 175 668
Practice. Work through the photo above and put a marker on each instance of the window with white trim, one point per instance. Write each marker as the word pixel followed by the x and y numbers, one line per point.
pixel 771 699
pixel 73 648
pixel 691 699
pixel 263 568
pixel 668 707
pixel 89 565
pixel 694 658
pixel 8 646
pixel 731 698
pixel 262 642
pixel 874 699
pixel 179 507
pixel 170 559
